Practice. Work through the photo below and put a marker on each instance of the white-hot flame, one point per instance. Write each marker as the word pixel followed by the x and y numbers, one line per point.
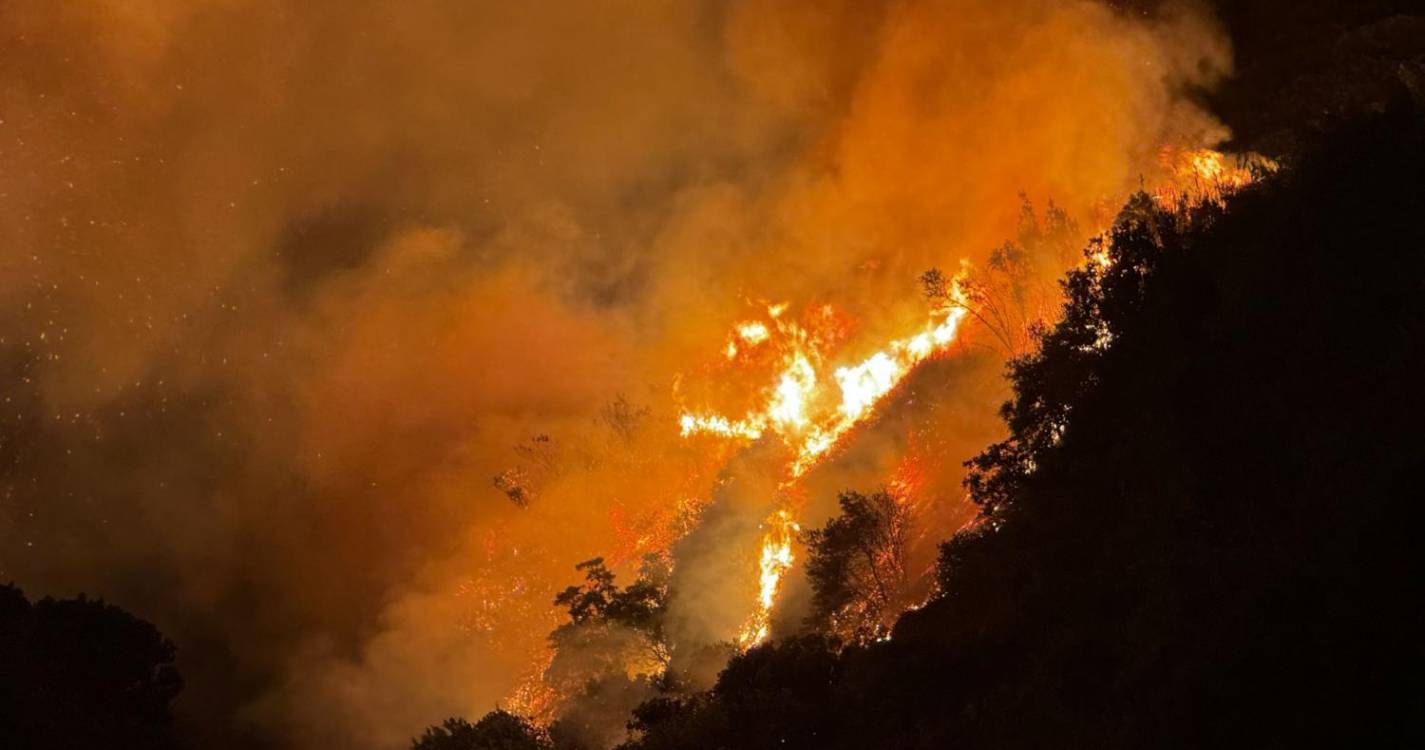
pixel 776 560
pixel 810 419
pixel 803 415
pixel 788 410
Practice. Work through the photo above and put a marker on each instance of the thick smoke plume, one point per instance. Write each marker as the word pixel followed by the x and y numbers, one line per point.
pixel 283 285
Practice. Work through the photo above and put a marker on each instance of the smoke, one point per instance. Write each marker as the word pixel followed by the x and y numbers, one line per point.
pixel 714 564
pixel 283 285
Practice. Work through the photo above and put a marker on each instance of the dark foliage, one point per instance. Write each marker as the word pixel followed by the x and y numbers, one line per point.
pixel 499 730
pixel 611 655
pixel 1199 533
pixel 639 606
pixel 777 695
pixel 1303 67
pixel 79 673
pixel 606 622
pixel 596 716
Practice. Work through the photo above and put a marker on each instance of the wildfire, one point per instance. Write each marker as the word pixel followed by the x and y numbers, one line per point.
pixel 750 334
pixel 800 407
pixel 1196 176
pixel 797 409
pixel 776 559
pixel 720 425
pixel 802 410
pixel 1191 177
pixel 809 399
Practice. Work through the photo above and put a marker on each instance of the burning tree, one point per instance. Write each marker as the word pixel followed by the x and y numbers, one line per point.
pixel 540 462
pixel 856 564
pixel 1011 296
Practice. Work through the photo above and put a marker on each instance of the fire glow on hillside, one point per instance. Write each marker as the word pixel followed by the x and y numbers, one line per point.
pixel 388 315
pixel 801 408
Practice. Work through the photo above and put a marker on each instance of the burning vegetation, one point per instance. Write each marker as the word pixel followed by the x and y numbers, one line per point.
pixel 865 645
pixel 618 648
pixel 590 362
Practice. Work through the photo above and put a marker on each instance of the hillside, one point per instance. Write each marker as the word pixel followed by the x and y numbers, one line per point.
pixel 1199 532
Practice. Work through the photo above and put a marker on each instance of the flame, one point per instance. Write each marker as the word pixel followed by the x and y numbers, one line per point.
pixel 692 424
pixel 1201 175
pixel 799 408
pixel 810 401
pixel 776 560
pixel 753 332
pixel 1191 177
pixel 750 334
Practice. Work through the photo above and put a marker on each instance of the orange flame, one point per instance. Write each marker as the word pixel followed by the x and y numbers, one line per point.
pixel 801 410
pixel 776 560
pixel 795 407
pixel 1196 176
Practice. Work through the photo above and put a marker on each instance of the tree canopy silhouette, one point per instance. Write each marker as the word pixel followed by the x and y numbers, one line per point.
pixel 82 673
pixel 498 730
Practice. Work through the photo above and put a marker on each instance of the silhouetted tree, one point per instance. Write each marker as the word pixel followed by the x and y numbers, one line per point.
pixel 540 461
pixel 599 608
pixel 777 695
pixel 81 673
pixel 623 417
pixel 596 717
pixel 498 730
pixel 611 655
pixel 1098 300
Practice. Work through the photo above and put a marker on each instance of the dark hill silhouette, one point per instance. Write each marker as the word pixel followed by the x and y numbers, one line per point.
pixel 79 673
